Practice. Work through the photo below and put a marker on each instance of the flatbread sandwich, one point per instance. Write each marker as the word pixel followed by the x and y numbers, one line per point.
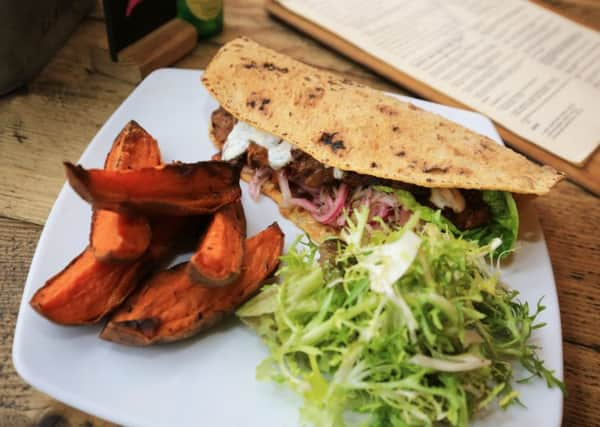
pixel 321 145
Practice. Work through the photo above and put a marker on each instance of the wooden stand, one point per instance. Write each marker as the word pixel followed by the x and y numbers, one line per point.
pixel 162 47
pixel 588 175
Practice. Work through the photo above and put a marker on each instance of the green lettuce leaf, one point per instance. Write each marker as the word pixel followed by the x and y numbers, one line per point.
pixel 504 222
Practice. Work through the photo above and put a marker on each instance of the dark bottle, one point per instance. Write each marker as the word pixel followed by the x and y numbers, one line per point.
pixel 205 15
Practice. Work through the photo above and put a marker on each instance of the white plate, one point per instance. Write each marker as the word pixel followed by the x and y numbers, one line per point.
pixel 210 380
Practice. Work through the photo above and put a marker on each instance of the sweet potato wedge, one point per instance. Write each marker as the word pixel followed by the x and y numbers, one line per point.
pixel 87 289
pixel 133 148
pixel 173 189
pixel 169 307
pixel 218 259
pixel 119 236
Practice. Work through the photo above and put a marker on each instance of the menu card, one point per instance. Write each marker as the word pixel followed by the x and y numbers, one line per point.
pixel 530 70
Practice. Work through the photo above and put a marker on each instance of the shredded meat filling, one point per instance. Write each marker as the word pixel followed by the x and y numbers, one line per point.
pixel 311 173
pixel 257 156
pixel 222 123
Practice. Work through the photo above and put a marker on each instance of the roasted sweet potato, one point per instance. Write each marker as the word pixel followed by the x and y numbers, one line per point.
pixel 133 148
pixel 218 259
pixel 173 234
pixel 116 237
pixel 174 189
pixel 120 236
pixel 169 307
pixel 87 289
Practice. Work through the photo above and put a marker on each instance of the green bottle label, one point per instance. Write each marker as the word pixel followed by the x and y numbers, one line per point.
pixel 205 15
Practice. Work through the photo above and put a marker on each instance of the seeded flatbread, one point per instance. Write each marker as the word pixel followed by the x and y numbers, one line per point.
pixel 352 127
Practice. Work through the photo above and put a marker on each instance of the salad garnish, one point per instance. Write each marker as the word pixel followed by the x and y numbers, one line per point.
pixel 405 326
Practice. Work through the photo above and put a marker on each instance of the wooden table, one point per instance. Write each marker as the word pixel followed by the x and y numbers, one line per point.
pixel 56 116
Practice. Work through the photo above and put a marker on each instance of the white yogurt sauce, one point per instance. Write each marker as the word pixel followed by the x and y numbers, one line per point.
pixel 242 134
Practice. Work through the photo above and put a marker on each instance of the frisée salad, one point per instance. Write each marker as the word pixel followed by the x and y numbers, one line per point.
pixel 405 326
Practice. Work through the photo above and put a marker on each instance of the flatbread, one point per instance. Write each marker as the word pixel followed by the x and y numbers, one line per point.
pixel 352 127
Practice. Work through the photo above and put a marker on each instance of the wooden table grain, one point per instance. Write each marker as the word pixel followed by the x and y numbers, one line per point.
pixel 58 113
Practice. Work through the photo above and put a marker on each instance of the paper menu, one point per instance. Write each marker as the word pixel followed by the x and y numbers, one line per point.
pixel 532 71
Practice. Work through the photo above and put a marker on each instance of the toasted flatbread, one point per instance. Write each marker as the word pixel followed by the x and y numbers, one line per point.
pixel 355 128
